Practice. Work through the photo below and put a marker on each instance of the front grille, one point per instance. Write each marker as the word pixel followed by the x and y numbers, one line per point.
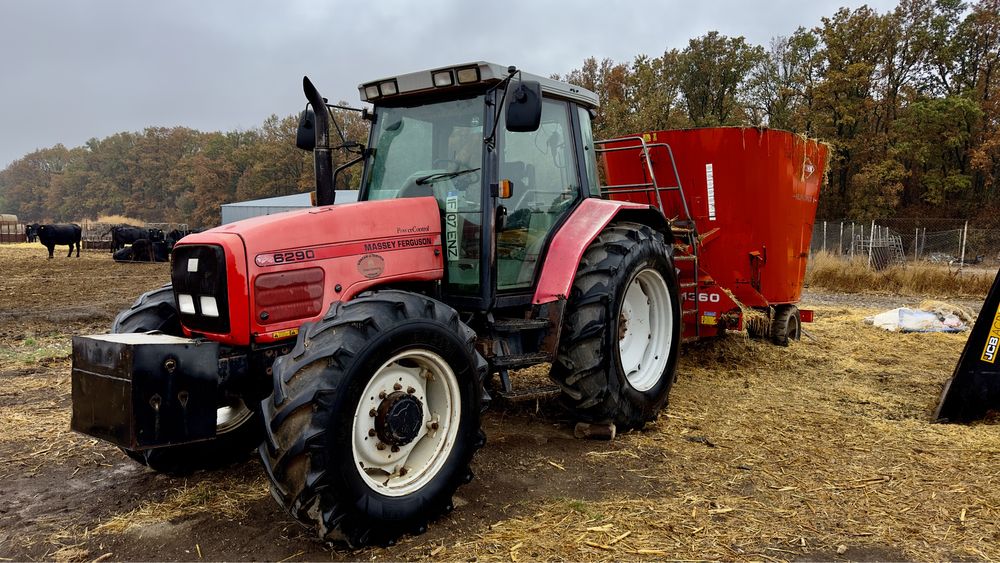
pixel 199 273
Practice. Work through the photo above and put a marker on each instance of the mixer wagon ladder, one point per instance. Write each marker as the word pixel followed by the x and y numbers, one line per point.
pixel 682 225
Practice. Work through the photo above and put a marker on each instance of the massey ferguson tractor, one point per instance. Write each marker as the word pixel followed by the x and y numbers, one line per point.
pixel 354 345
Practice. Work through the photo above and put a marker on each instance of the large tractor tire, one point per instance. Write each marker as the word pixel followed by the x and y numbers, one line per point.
pixel 238 428
pixel 375 418
pixel 621 335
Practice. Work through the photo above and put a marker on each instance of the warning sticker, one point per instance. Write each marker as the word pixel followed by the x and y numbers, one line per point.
pixel 710 183
pixel 992 340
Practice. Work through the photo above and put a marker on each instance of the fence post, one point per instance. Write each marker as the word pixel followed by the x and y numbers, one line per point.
pixel 851 251
pixel 840 243
pixel 824 236
pixel 871 244
pixel 965 237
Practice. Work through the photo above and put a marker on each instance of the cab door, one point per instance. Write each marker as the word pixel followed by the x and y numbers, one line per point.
pixel 543 166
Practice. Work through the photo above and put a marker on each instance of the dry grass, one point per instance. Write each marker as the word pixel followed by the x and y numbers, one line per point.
pixel 120 220
pixel 227 497
pixel 818 451
pixel 922 279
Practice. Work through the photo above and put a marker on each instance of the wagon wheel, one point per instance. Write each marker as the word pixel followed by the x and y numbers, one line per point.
pixel 238 428
pixel 786 325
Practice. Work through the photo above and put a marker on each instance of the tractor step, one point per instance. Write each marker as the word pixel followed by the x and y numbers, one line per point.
pixel 514 361
pixel 518 325
pixel 530 393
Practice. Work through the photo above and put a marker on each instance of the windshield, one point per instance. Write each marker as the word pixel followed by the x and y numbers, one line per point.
pixel 431 149
pixel 436 150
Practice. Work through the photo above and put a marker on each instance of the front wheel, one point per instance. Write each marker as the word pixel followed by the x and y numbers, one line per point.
pixel 374 418
pixel 621 336
pixel 238 429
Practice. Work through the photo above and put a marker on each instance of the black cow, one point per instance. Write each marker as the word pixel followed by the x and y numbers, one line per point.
pixel 144 250
pixel 174 236
pixel 31 232
pixel 51 235
pixel 124 234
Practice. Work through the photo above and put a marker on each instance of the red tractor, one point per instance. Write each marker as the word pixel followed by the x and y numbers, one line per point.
pixel 354 344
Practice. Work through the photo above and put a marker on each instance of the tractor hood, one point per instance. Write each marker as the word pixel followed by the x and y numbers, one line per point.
pixel 354 228
pixel 289 268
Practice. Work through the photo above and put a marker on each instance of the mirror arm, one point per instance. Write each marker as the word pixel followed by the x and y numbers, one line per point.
pixel 490 140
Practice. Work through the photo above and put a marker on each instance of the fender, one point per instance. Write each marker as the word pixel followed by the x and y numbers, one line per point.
pixel 584 224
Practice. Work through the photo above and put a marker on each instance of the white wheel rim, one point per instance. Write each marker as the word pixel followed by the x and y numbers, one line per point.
pixel 645 330
pixel 230 417
pixel 414 464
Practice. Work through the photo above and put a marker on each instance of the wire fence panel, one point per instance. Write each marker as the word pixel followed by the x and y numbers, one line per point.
pixel 953 241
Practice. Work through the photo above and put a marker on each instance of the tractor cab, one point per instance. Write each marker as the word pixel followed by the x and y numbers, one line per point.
pixel 505 154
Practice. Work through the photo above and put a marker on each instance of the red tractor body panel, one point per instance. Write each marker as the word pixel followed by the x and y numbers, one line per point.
pixel 289 268
pixel 568 245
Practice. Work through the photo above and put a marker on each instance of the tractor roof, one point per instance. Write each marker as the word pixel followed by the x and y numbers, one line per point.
pixel 463 75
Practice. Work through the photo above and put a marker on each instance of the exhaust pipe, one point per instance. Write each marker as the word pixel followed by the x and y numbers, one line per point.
pixel 322 154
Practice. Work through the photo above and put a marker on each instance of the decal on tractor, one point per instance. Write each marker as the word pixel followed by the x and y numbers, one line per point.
pixel 451 226
pixel 371 266
pixel 278 335
pixel 341 250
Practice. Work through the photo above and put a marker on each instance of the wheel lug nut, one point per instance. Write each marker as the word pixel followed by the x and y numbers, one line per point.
pixel 371 432
pixel 411 390
pixel 395 449
pixel 402 471
pixel 380 446
pixel 396 386
pixel 381 394
pixel 372 413
pixel 433 425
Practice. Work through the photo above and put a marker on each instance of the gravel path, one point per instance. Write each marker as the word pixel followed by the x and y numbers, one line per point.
pixel 814 297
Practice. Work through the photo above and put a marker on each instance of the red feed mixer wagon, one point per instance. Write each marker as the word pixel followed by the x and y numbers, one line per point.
pixel 742 203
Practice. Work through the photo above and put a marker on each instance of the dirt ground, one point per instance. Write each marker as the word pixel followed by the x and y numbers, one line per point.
pixel 822 450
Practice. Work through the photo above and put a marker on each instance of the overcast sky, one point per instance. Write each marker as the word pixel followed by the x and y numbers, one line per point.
pixel 75 69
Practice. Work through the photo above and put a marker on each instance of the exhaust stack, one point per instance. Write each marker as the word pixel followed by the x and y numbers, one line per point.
pixel 322 155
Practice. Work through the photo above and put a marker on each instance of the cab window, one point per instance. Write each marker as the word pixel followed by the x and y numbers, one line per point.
pixel 542 166
pixel 436 150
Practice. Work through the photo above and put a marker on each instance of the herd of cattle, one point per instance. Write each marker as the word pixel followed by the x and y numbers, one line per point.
pixel 128 244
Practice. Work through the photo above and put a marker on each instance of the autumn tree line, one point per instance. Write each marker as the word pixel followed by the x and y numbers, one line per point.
pixel 908 100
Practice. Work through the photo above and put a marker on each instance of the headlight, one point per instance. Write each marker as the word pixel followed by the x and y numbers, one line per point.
pixel 186 303
pixel 209 308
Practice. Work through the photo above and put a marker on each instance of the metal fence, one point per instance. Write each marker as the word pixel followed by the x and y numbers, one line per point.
pixel 952 241
pixel 12 232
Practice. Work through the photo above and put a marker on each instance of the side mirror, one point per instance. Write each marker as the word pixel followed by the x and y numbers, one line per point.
pixel 305 136
pixel 524 107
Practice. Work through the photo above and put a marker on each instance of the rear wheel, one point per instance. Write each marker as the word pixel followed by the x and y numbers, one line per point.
pixel 374 418
pixel 238 429
pixel 619 346
pixel 786 325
